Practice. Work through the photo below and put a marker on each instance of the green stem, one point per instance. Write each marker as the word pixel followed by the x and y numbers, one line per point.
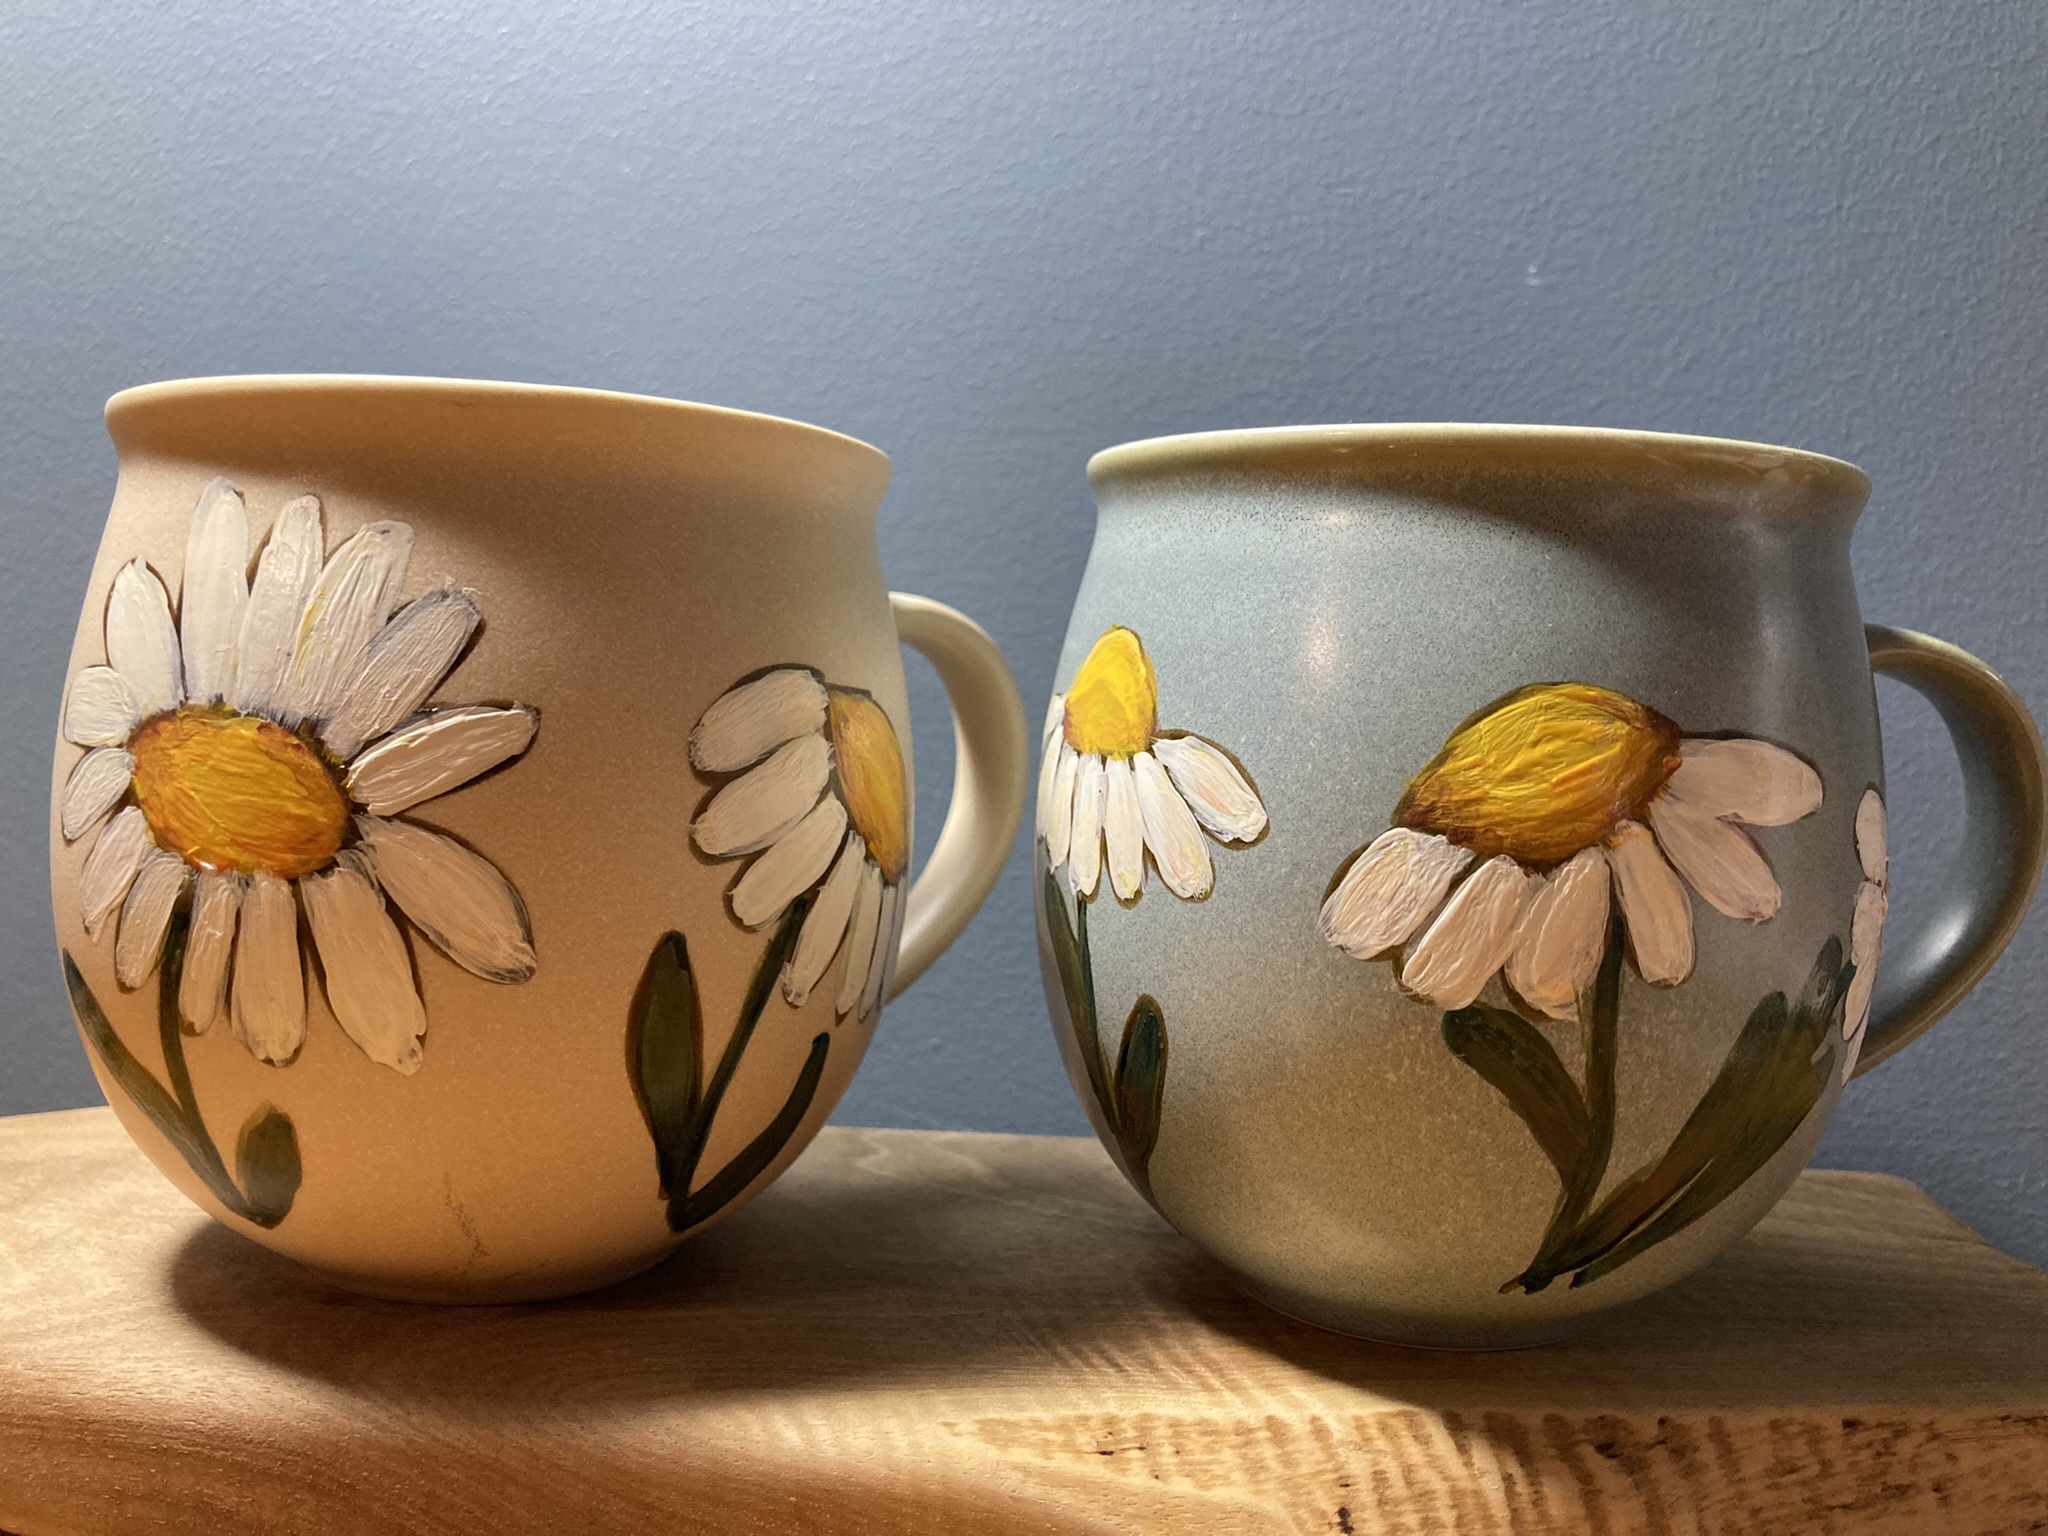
pixel 753 1160
pixel 1600 1009
pixel 766 973
pixel 1093 1043
pixel 269 1146
pixel 169 1029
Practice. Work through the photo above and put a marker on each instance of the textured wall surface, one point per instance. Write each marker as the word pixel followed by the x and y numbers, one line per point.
pixel 995 239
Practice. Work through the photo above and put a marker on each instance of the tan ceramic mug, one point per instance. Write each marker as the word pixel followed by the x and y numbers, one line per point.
pixel 482 815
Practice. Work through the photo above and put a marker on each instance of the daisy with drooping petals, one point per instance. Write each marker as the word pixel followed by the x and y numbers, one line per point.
pixel 1866 928
pixel 819 795
pixel 1110 777
pixel 1505 848
pixel 255 750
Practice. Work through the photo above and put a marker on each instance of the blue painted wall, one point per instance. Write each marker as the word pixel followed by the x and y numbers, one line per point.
pixel 995 239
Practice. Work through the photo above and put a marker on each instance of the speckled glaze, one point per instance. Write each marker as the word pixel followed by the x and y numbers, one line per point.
pixel 1329 604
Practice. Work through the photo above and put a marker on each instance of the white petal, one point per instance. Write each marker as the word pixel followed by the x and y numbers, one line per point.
pixel 1866 949
pixel 1389 889
pixel 1084 850
pixel 405 663
pixel 1851 1052
pixel 1751 781
pixel 442 752
pixel 1124 828
pixel 1654 905
pixel 215 596
pixel 766 801
pixel 146 915
pixel 203 989
pixel 455 897
pixel 1718 858
pixel 270 980
pixel 142 643
pixel 1055 717
pixel 889 938
pixel 96 785
pixel 369 973
pixel 1048 773
pixel 1866 928
pixel 100 708
pixel 111 867
pixel 751 720
pixel 353 597
pixel 285 574
pixel 860 940
pixel 789 867
pixel 1215 791
pixel 1171 831
pixel 1872 846
pixel 883 960
pixel 1563 937
pixel 1048 788
pixel 825 924
pixel 1056 811
pixel 1472 937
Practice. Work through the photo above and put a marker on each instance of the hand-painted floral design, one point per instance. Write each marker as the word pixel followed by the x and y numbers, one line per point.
pixel 256 750
pixel 1110 776
pixel 1866 931
pixel 1504 848
pixel 1556 831
pixel 816 793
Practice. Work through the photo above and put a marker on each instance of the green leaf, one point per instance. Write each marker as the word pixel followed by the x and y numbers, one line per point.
pixel 1784 1082
pixel 664 1053
pixel 1140 1086
pixel 753 1160
pixel 1077 982
pixel 1513 1057
pixel 164 1112
pixel 1768 1084
pixel 267 1162
pixel 268 1156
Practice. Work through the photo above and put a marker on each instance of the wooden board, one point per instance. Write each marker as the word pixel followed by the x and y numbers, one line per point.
pixel 919 1332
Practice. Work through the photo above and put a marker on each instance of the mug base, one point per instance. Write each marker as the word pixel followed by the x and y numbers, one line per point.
pixel 1452 1336
pixel 554 1285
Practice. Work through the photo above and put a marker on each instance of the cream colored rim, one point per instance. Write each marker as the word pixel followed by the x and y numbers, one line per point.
pixel 123 407
pixel 1254 450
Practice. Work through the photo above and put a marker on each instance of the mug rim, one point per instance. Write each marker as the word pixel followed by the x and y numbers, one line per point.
pixel 122 406
pixel 1287 447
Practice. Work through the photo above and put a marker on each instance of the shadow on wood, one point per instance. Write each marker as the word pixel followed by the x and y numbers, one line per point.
pixel 931 1333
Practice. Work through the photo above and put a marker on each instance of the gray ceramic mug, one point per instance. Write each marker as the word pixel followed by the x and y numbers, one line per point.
pixel 1461 855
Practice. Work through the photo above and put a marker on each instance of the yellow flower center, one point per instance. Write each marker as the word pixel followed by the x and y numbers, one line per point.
pixel 226 791
pixel 871 778
pixel 1543 773
pixel 1113 703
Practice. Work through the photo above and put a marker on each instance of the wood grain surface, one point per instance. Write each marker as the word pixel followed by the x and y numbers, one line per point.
pixel 943 1333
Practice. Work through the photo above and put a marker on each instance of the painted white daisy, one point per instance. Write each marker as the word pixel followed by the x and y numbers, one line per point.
pixel 1505 847
pixel 821 802
pixel 1866 928
pixel 256 750
pixel 1109 777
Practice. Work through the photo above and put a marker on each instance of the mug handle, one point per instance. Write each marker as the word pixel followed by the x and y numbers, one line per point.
pixel 1984 893
pixel 989 773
